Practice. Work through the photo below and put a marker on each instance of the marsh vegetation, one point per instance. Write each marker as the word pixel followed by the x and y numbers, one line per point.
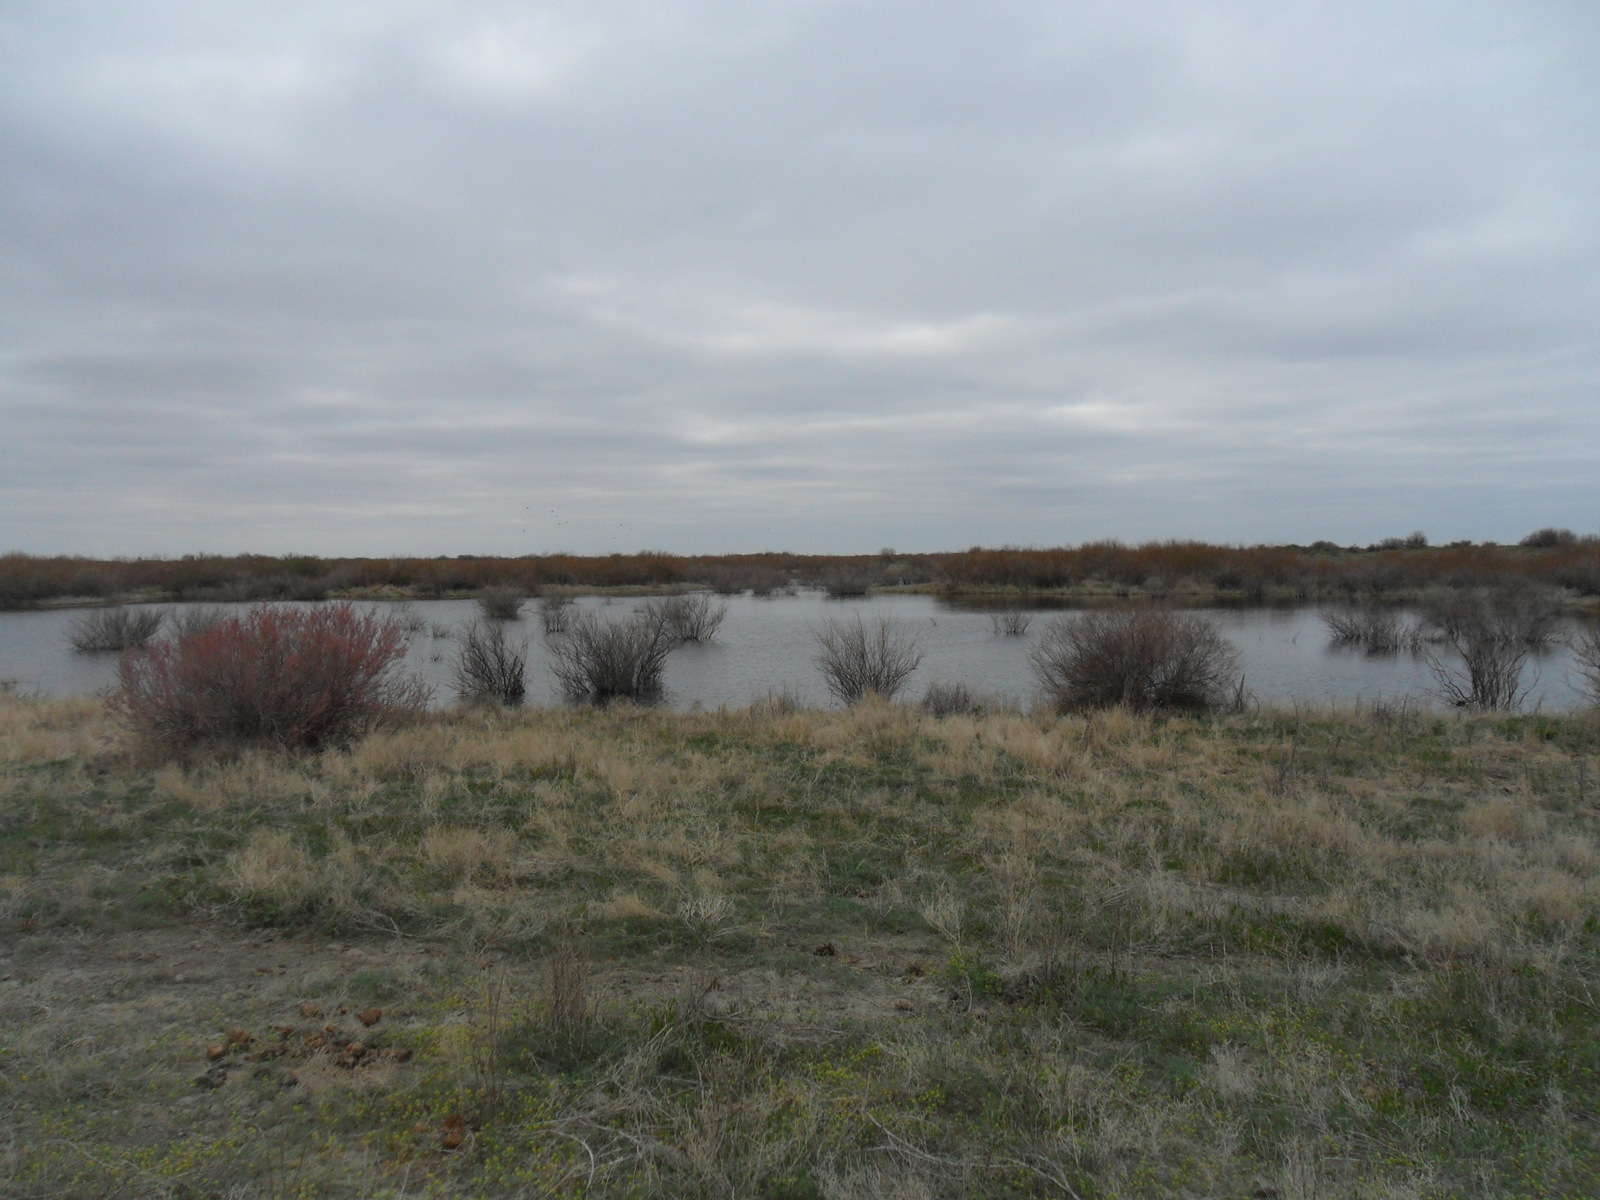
pixel 789 952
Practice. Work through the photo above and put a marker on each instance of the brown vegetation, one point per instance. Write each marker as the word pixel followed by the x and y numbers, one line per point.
pixel 857 662
pixel 293 678
pixel 489 666
pixel 1137 658
pixel 1397 565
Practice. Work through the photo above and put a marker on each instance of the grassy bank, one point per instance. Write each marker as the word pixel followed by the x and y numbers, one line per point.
pixel 806 954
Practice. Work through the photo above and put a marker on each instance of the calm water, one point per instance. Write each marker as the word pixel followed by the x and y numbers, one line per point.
pixel 767 645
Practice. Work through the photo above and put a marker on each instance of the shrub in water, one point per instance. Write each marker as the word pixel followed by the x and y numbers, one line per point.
pixel 1010 622
pixel 1138 657
pixel 115 628
pixel 693 618
pixel 855 660
pixel 500 603
pixel 489 666
pixel 300 678
pixel 602 659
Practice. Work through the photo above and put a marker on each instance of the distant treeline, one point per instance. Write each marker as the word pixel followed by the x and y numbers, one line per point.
pixel 1554 557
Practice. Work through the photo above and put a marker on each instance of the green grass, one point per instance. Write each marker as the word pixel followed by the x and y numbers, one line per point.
pixel 810 955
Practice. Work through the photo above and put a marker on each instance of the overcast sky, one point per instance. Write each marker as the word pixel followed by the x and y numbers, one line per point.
pixel 462 277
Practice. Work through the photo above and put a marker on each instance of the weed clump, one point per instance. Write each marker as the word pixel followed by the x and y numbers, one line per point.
pixel 489 666
pixel 115 628
pixel 1137 658
pixel 287 677
pixel 600 659
pixel 857 661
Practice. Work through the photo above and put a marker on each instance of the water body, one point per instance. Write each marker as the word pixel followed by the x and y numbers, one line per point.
pixel 768 645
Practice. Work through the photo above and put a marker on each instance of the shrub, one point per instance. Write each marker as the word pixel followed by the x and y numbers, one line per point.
pixel 1488 676
pixel 693 618
pixel 555 609
pixel 1138 657
pixel 1493 632
pixel 856 661
pixel 500 603
pixel 196 618
pixel 115 628
pixel 602 659
pixel 1587 652
pixel 950 699
pixel 489 666
pixel 1509 613
pixel 846 580
pixel 1377 630
pixel 1010 622
pixel 1549 538
pixel 278 676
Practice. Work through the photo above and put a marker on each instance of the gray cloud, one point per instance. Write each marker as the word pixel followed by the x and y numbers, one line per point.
pixel 502 277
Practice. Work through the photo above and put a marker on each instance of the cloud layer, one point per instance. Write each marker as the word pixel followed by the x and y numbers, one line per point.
pixel 479 277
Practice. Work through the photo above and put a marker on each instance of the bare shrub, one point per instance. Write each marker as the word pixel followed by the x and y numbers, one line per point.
pixel 1011 622
pixel 1492 632
pixel 1138 657
pixel 1587 653
pixel 693 618
pixel 196 618
pixel 857 661
pixel 500 603
pixel 115 628
pixel 555 609
pixel 1489 674
pixel 846 580
pixel 1510 613
pixel 489 666
pixel 409 618
pixel 950 700
pixel 603 658
pixel 1375 629
pixel 300 678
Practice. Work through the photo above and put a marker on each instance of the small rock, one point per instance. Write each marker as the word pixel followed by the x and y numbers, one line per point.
pixel 215 1052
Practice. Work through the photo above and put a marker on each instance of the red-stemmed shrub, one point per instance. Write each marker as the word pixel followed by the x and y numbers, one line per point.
pixel 296 678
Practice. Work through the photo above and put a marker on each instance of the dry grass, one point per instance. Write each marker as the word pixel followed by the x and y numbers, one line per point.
pixel 802 953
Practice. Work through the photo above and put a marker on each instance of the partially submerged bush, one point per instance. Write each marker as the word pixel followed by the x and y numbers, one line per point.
pixel 196 618
pixel 602 658
pixel 1587 652
pixel 857 661
pixel 500 603
pixel 693 618
pixel 1010 622
pixel 555 610
pixel 300 678
pixel 1137 657
pixel 489 666
pixel 1493 632
pixel 115 628
pixel 1528 615
pixel 1376 629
